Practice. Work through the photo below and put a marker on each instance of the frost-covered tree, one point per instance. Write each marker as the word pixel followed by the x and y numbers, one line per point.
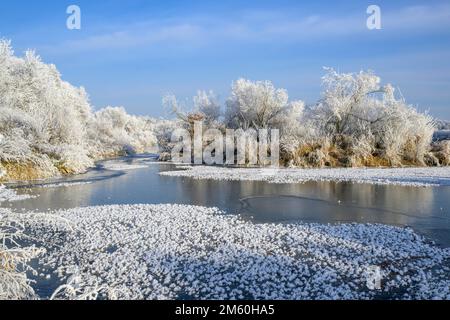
pixel 207 104
pixel 163 131
pixel 442 124
pixel 42 117
pixel 48 126
pixel 259 105
pixel 205 107
pixel 113 131
pixel 365 119
pixel 347 106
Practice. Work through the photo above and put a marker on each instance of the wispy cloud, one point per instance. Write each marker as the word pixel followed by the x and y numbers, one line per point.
pixel 259 26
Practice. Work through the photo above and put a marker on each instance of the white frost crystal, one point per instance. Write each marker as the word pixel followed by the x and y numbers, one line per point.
pixel 181 251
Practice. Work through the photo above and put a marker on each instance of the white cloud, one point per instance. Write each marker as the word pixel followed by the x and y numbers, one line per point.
pixel 259 26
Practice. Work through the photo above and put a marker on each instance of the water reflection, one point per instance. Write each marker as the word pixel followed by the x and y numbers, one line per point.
pixel 425 209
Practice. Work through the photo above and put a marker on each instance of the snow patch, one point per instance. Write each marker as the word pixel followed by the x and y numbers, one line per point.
pixel 390 176
pixel 189 252
pixel 122 166
pixel 10 195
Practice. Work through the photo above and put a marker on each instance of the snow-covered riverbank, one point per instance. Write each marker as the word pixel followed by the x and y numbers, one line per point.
pixel 395 176
pixel 180 251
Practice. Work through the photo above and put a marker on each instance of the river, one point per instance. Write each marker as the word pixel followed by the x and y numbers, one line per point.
pixel 426 210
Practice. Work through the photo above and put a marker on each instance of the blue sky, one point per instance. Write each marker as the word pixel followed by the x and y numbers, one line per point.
pixel 130 53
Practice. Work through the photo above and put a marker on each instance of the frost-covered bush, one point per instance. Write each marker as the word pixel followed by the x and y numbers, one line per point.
pixel 252 105
pixel 259 105
pixel 357 121
pixel 47 126
pixel 163 131
pixel 208 105
pixel 113 131
pixel 14 259
pixel 441 151
pixel 79 289
pixel 365 123
pixel 442 124
pixel 205 108
pixel 16 254
pixel 40 113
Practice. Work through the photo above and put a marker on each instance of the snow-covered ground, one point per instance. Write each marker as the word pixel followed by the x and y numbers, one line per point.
pixel 123 165
pixel 181 251
pixel 120 165
pixel 396 176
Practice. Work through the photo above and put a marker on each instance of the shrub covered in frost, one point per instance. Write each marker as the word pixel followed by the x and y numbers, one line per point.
pixel 260 105
pixel 163 131
pixel 14 259
pixel 205 109
pixel 357 122
pixel 47 126
pixel 442 124
pixel 360 122
pixel 116 131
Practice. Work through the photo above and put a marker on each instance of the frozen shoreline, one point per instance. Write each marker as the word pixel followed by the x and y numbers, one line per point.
pixel 418 177
pixel 181 251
